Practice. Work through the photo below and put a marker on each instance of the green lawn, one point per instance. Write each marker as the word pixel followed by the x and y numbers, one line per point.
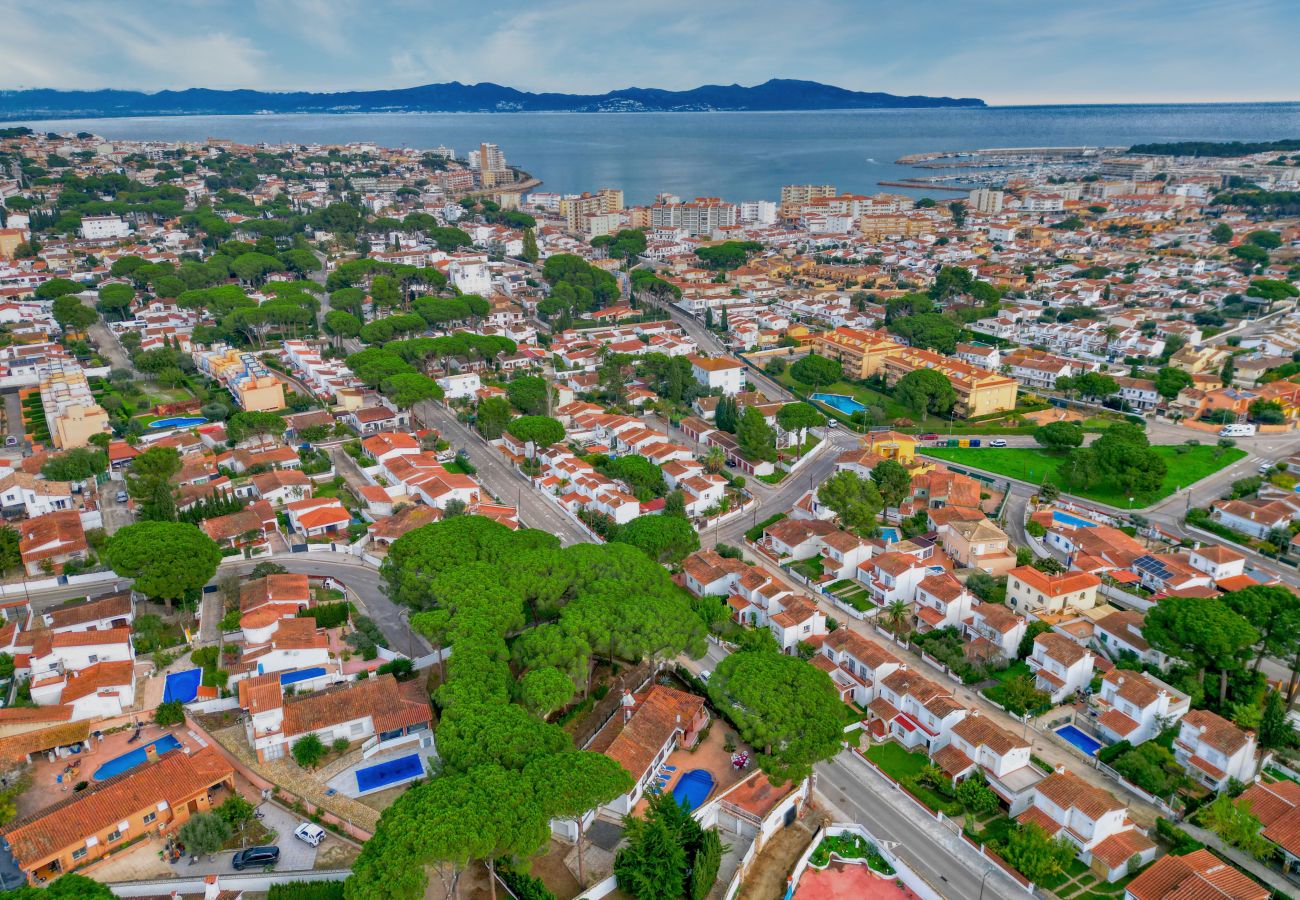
pixel 1035 465
pixel 897 761
pixel 810 568
pixel 1019 667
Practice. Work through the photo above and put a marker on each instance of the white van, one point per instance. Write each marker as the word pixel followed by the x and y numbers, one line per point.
pixel 1237 430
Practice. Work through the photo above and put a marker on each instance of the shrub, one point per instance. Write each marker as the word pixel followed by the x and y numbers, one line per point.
pixel 327 615
pixel 1109 754
pixel 170 713
pixel 1181 843
pixel 308 890
pixel 521 884
pixel 308 751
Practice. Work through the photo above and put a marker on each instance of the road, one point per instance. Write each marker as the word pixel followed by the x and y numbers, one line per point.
pixel 498 476
pixel 952 867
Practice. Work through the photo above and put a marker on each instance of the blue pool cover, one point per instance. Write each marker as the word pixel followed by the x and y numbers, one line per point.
pixel 182 686
pixel 392 771
pixel 693 788
pixel 1085 742
pixel 128 761
pixel 301 675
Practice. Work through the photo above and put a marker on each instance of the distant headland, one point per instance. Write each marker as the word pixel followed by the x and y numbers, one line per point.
pixel 774 95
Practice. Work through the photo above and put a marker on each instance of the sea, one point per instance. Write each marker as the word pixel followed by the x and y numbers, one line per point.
pixel 734 155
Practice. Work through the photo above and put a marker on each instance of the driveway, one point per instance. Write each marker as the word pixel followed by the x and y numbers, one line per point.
pixel 295 855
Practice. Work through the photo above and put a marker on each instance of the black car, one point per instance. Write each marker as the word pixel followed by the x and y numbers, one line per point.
pixel 256 857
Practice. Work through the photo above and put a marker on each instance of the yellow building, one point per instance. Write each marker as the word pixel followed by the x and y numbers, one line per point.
pixel 70 409
pixel 890 445
pixel 861 353
pixel 877 226
pixel 252 385
pixel 979 391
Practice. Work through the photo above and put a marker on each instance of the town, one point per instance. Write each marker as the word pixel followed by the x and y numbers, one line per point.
pixel 812 546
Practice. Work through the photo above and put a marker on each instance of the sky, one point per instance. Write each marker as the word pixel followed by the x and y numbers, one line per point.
pixel 1003 51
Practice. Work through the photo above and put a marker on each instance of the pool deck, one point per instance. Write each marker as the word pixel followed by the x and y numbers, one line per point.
pixel 709 755
pixel 845 881
pixel 46 790
pixel 345 782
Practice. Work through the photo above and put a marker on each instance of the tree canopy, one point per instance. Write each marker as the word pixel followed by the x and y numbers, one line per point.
pixel 166 559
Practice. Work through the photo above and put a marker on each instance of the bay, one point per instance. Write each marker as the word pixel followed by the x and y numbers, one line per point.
pixel 734 155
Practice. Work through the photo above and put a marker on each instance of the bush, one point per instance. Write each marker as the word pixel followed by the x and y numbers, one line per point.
pixel 1108 755
pixel 401 669
pixel 308 890
pixel 327 615
pixel 308 751
pixel 170 713
pixel 521 884
pixel 1181 843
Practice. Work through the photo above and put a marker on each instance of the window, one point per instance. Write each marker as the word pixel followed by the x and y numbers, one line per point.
pixel 114 835
pixel 79 853
pixel 150 817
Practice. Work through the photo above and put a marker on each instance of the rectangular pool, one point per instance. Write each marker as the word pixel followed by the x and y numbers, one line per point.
pixel 1066 519
pixel 840 402
pixel 390 772
pixel 1086 743
pixel 132 758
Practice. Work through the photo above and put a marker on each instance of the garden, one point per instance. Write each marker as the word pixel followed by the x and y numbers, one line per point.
pixel 946 645
pixel 850 846
pixel 1185 465
pixel 852 593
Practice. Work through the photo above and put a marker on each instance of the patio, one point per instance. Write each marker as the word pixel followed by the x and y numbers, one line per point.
pixel 841 881
pixel 709 754
pixel 47 788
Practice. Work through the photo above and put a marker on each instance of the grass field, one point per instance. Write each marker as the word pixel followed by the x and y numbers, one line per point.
pixel 1033 465
pixel 854 594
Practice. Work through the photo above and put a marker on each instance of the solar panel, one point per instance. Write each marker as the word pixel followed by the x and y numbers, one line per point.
pixel 1153 566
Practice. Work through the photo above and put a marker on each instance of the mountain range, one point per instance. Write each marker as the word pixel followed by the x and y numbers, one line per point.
pixel 775 95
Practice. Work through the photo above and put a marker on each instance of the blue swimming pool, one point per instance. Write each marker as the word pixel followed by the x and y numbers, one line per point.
pixel 393 771
pixel 1067 519
pixel 693 788
pixel 844 404
pixel 128 761
pixel 182 686
pixel 1085 742
pixel 177 422
pixel 301 675
pixel 890 535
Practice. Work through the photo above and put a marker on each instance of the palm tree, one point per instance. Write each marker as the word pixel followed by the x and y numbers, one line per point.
pixel 714 460
pixel 896 614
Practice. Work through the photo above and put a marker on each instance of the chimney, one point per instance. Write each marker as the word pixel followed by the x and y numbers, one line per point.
pixel 211 887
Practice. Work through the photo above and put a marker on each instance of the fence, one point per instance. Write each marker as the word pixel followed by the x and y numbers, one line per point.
pixel 233 884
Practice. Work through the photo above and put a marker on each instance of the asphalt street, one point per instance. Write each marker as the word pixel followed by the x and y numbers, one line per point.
pixel 949 865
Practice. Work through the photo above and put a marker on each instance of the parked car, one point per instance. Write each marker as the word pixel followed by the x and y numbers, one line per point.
pixel 312 834
pixel 11 441
pixel 705 676
pixel 255 857
pixel 997 442
pixel 930 437
pixel 122 497
pixel 1266 468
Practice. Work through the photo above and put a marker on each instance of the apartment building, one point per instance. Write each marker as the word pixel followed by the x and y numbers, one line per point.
pixel 700 217
pixel 979 391
pixel 71 411
pixel 247 378
pixel 862 354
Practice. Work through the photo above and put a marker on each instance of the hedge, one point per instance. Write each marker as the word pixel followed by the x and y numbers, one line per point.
pixel 327 615
pixel 306 890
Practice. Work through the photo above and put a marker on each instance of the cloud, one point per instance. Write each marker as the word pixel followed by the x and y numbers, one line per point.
pixel 1006 51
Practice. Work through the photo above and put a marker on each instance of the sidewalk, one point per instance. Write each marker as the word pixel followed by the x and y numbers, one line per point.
pixel 1043 746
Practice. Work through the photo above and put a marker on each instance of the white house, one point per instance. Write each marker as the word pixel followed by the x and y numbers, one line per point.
pixel 981 745
pixel 1061 667
pixel 460 387
pixel 1029 590
pixel 1094 820
pixel 723 373
pixel 892 576
pixel 916 711
pixel 941 602
pixel 646 729
pixel 864 661
pixel 1217 561
pixel 1213 750
pixel 1135 707
pixel 35 496
pixel 100 691
pixel 114 611
pixel 57 660
pixel 998 628
pixel 1120 634
pixel 318 516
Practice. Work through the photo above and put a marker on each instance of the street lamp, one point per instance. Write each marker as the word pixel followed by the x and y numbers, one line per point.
pixel 987 873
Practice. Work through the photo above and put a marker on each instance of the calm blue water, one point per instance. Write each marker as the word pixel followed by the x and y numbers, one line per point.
pixel 1067 519
pixel 390 772
pixel 129 760
pixel 1085 742
pixel 846 405
pixel 890 535
pixel 693 788
pixel 738 156
pixel 177 422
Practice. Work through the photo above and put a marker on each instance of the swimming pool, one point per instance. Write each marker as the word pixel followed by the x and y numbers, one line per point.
pixel 890 535
pixel 1067 519
pixel 693 788
pixel 128 761
pixel 1084 742
pixel 390 772
pixel 844 404
pixel 178 422
pixel 301 675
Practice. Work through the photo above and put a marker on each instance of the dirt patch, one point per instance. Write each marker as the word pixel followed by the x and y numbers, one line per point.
pixel 381 800
pixel 336 855
pixel 554 873
pixel 1054 414
pixel 767 875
